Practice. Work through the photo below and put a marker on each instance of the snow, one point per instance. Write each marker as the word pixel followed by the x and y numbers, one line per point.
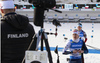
pixel 61 42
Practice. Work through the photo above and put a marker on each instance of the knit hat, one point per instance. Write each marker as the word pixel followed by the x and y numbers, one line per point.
pixel 79 24
pixel 9 4
pixel 75 32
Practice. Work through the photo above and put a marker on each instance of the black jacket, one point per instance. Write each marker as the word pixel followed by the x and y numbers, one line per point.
pixel 16 35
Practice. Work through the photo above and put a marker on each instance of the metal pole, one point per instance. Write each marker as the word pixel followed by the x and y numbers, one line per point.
pixel 42 37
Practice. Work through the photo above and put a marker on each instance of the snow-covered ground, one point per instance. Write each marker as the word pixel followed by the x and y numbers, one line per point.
pixel 92 57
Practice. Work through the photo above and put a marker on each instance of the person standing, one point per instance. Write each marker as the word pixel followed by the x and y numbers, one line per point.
pixel 82 36
pixel 82 33
pixel 16 33
pixel 75 46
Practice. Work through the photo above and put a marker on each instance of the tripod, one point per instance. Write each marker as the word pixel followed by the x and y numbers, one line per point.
pixel 43 36
pixel 35 44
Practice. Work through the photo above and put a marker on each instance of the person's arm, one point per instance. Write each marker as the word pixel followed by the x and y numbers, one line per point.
pixel 66 48
pixel 85 40
pixel 85 35
pixel 84 48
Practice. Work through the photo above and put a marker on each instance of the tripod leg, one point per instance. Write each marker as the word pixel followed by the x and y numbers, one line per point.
pixel 48 50
pixel 42 42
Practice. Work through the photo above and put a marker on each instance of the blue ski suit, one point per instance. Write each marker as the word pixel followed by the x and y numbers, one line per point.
pixel 71 46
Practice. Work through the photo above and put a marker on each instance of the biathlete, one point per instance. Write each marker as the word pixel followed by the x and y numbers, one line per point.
pixel 76 47
pixel 82 36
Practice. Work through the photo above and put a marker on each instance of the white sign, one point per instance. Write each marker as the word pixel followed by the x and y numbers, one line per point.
pixel 68 6
pixel 60 18
pixel 81 17
pixel 93 18
pixel 31 56
pixel 70 18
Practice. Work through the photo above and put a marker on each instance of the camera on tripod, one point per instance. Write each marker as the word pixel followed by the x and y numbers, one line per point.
pixel 41 6
pixel 43 3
